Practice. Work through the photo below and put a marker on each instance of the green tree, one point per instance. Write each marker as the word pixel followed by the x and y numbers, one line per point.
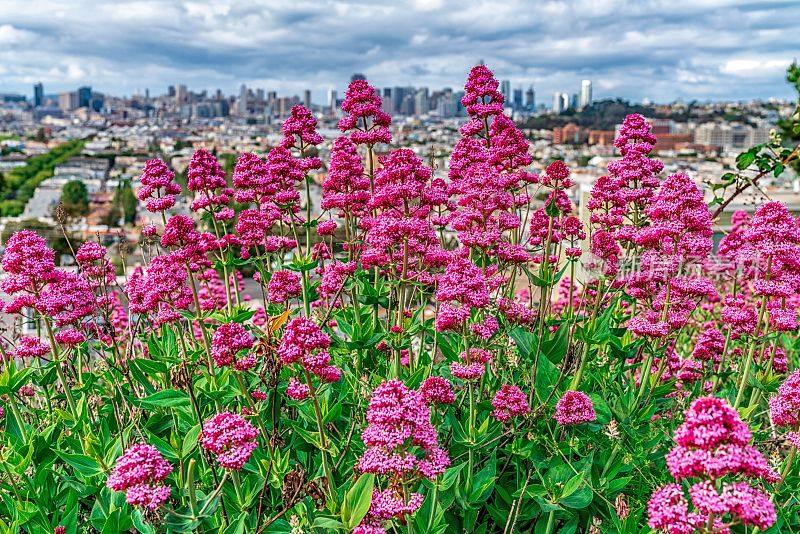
pixel 125 200
pixel 21 182
pixel 75 199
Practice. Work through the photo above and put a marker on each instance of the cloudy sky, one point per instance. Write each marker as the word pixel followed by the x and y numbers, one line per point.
pixel 662 50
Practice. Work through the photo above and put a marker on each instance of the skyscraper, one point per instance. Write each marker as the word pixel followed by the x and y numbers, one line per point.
pixel 68 100
pixel 357 76
pixel 530 98
pixel 505 88
pixel 307 98
pixel 586 93
pixel 241 103
pixel 388 100
pixel 181 94
pixel 38 94
pixel 84 96
pixel 518 98
pixel 332 99
pixel 421 102
pixel 558 102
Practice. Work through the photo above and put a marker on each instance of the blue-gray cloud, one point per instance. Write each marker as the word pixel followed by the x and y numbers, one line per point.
pixel 705 49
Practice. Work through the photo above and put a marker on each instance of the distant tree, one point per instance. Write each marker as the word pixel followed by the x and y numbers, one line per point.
pixel 75 199
pixel 126 201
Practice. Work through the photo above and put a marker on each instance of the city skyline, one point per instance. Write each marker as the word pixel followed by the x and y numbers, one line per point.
pixel 646 52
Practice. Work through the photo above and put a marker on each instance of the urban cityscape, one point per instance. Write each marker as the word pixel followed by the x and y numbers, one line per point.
pixel 118 134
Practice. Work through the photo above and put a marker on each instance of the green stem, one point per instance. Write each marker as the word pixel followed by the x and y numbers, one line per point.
pixel 322 438
pixel 787 468
pixel 57 361
pixel 471 433
pixel 551 522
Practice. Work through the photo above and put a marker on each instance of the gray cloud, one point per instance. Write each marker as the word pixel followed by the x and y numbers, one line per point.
pixel 705 49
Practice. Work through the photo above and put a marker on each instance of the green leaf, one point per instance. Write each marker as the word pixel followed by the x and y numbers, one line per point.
pixel 745 159
pixel 83 464
pixel 190 440
pixel 525 341
pixel 576 493
pixel 483 483
pixel 140 524
pixel 357 500
pixel 327 523
pixel 168 398
pixel 546 378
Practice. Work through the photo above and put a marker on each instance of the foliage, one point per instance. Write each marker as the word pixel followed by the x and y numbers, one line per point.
pixel 75 199
pixel 21 182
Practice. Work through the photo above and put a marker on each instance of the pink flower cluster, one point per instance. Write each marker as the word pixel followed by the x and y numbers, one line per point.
pixel 574 408
pixel 231 438
pixel 509 402
pixel 472 364
pixel 481 99
pixel 462 288
pixel 30 347
pixel 366 121
pixel 29 265
pixel 784 408
pixel 162 291
pixel 283 285
pixel 398 424
pixel 139 472
pixel 304 342
pixel 713 443
pixel 226 344
pixel 158 187
pixel 618 200
pixel 300 132
pixel 437 390
pixel 95 267
pixel 346 187
pixel 487 172
pixel 401 235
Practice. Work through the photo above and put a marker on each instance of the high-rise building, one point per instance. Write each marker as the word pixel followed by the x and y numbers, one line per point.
pixel 530 98
pixel 518 98
pixel 171 90
pixel 505 88
pixel 387 100
pixel 181 94
pixel 241 103
pixel 446 105
pixel 333 99
pixel 96 101
pixel 357 76
pixel 560 102
pixel 68 101
pixel 38 94
pixel 84 96
pixel 421 102
pixel 307 98
pixel 586 94
pixel 398 97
